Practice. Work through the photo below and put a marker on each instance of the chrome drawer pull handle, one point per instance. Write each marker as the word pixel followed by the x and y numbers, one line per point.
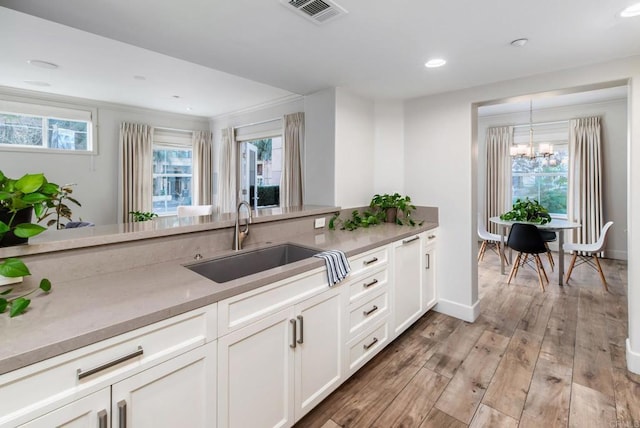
pixel 373 342
pixel 368 262
pixel 431 236
pixel 293 334
pixel 406 241
pixel 428 261
pixel 83 374
pixel 122 414
pixel 301 319
pixel 370 311
pixel 369 284
pixel 102 419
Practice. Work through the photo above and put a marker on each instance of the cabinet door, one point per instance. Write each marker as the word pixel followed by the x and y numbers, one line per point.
pixel 407 284
pixel 429 272
pixel 177 393
pixel 318 352
pixel 256 378
pixel 88 412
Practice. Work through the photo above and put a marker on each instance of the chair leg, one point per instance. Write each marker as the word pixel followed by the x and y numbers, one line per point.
pixel 483 247
pixel 604 281
pixel 573 262
pixel 501 253
pixel 550 257
pixel 514 268
pixel 540 268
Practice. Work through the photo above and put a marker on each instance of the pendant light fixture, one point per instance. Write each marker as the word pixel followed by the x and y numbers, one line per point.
pixel 527 150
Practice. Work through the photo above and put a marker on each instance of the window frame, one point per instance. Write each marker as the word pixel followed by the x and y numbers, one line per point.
pixel 51 110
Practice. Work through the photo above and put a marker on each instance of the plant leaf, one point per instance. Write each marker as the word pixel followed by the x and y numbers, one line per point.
pixel 5 292
pixel 13 268
pixel 50 189
pixel 18 306
pixel 34 198
pixel 4 196
pixel 3 304
pixel 3 227
pixel 29 183
pixel 27 230
pixel 45 285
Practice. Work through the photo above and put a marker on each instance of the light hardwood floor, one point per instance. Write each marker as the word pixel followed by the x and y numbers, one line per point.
pixel 532 359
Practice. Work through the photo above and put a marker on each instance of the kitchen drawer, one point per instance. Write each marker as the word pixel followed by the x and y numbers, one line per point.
pixel 363 348
pixel 366 312
pixel 367 261
pixel 243 309
pixel 368 284
pixel 72 375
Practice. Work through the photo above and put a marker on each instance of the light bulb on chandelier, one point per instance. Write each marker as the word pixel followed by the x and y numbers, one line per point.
pixel 545 150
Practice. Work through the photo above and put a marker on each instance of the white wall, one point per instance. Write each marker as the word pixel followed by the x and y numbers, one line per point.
pixel 388 147
pixel 97 177
pixel 614 154
pixel 440 129
pixel 354 156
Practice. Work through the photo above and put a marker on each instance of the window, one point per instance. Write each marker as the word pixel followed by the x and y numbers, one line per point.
pixel 260 170
pixel 172 171
pixel 34 127
pixel 543 179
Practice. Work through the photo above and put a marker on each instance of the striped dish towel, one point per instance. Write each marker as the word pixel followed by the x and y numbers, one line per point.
pixel 337 265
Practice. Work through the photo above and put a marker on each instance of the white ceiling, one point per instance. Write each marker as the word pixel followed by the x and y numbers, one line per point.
pixel 377 50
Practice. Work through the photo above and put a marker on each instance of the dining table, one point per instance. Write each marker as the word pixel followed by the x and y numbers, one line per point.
pixel 555 225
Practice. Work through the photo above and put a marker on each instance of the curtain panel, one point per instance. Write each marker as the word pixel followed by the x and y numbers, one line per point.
pixel 136 141
pixel 585 178
pixel 227 171
pixel 291 182
pixel 202 167
pixel 498 178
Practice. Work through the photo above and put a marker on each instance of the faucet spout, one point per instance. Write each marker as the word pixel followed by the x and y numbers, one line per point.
pixel 238 234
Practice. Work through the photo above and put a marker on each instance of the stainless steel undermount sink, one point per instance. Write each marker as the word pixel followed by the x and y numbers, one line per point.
pixel 236 266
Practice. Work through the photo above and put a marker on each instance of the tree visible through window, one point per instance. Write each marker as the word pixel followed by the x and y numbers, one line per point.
pixel 543 179
pixel 20 130
pixel 172 178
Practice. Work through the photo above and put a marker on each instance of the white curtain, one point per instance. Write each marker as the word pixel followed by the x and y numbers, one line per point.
pixel 291 185
pixel 498 179
pixel 585 178
pixel 202 167
pixel 227 172
pixel 136 141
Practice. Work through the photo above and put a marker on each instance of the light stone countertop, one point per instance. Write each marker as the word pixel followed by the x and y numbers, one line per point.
pixel 81 312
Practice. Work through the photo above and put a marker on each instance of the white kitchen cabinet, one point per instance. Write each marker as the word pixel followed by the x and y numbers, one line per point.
pixel 429 254
pixel 91 411
pixel 177 393
pixel 407 296
pixel 274 370
pixel 69 390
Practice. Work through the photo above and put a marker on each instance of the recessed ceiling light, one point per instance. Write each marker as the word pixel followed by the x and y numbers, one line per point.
pixel 37 83
pixel 139 77
pixel 633 10
pixel 189 108
pixel 436 62
pixel 176 96
pixel 42 64
pixel 519 42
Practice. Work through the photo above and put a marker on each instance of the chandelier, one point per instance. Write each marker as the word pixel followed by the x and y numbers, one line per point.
pixel 545 150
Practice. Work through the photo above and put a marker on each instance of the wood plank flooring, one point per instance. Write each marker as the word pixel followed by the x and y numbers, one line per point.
pixel 532 359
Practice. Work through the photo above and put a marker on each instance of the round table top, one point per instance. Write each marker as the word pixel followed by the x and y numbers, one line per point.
pixel 554 224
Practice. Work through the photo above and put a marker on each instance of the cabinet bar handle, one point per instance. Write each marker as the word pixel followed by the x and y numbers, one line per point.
pixel 373 342
pixel 431 236
pixel 370 311
pixel 406 241
pixel 369 284
pixel 102 419
pixel 428 262
pixel 122 414
pixel 368 262
pixel 301 319
pixel 293 334
pixel 83 374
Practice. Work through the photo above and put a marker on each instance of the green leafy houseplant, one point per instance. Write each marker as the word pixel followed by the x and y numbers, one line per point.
pixel 142 215
pixel 30 192
pixel 57 207
pixel 380 207
pixel 528 210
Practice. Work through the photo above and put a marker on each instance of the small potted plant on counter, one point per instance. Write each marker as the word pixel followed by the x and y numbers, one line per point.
pixel 395 208
pixel 528 210
pixel 19 199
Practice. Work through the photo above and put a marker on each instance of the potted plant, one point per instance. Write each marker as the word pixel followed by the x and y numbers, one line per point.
pixel 18 199
pixel 58 208
pixel 392 206
pixel 528 210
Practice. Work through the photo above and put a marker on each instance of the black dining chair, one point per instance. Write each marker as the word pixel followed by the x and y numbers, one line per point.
pixel 526 240
pixel 549 236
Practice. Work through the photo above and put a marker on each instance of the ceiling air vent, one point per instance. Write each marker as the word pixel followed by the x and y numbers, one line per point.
pixel 318 11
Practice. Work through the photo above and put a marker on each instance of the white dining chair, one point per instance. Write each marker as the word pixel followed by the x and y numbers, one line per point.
pixel 194 210
pixel 489 240
pixel 588 254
